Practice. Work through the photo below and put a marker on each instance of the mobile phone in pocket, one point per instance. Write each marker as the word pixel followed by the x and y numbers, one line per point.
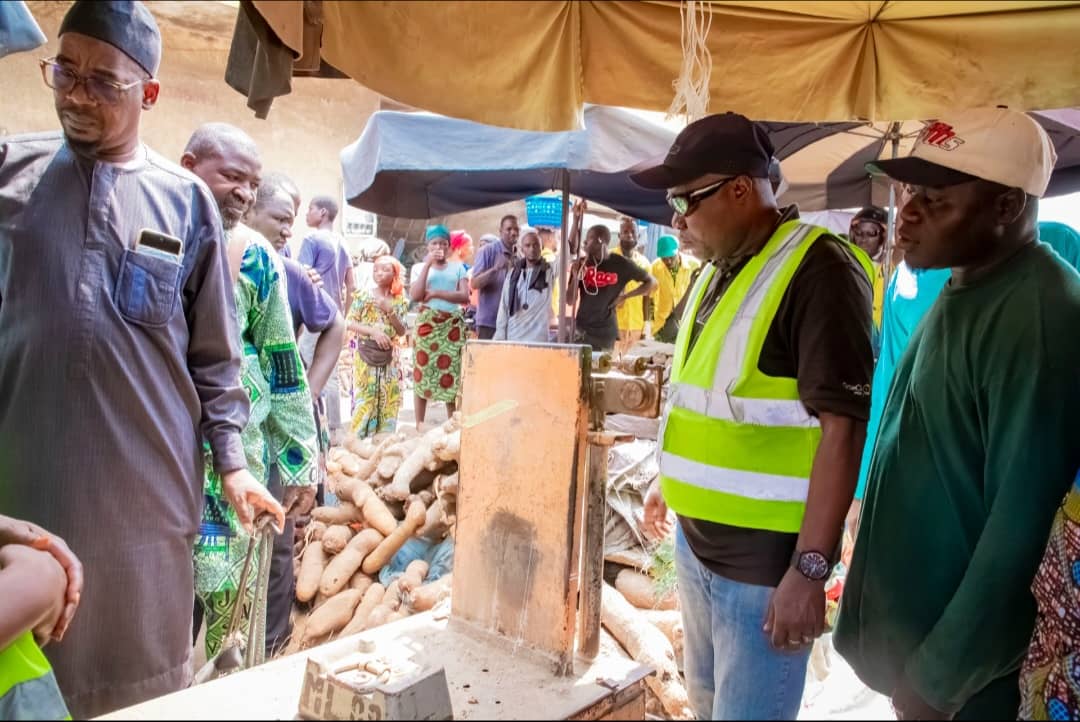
pixel 156 243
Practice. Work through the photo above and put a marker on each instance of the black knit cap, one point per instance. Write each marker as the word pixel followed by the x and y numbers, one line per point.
pixel 872 213
pixel 726 143
pixel 125 24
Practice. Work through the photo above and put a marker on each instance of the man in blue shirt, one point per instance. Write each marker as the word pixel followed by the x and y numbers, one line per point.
pixel 324 251
pixel 493 261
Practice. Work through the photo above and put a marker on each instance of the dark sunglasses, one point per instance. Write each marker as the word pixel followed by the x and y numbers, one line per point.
pixel 685 203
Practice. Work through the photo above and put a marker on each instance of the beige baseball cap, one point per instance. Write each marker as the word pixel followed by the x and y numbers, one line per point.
pixel 995 144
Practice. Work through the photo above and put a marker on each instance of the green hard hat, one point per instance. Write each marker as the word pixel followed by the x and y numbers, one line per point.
pixel 667 246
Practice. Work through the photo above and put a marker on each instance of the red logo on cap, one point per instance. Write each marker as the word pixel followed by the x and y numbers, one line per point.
pixel 940 135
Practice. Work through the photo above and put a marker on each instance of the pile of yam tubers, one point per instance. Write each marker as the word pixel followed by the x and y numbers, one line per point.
pixel 391 487
pixel 649 627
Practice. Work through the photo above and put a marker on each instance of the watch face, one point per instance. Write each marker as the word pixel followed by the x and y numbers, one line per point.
pixel 814 565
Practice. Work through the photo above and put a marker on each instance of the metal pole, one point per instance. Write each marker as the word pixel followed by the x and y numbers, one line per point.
pixel 890 231
pixel 564 256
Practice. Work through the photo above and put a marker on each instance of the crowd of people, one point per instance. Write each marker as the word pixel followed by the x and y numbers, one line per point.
pixel 169 373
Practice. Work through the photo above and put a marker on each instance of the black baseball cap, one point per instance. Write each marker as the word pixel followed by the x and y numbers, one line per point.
pixel 725 143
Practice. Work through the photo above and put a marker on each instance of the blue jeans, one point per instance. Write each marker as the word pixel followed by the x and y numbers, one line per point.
pixel 732 671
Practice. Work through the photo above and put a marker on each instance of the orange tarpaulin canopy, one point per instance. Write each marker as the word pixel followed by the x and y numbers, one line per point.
pixel 533 65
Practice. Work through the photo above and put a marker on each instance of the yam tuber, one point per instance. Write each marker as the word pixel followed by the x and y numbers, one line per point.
pixel 334 615
pixel 378 516
pixel 413 576
pixel 648 645
pixel 447 485
pixel 332 467
pixel 421 458
pixel 435 526
pixel 401 449
pixel 341 568
pixel 671 624
pixel 335 538
pixel 372 598
pixel 379 616
pixel 363 448
pixel 315 530
pixel 424 480
pixel 668 621
pixel 449 447
pixel 343 514
pixel 299 624
pixel 388 547
pixel 388 466
pixel 312 566
pixel 361 581
pixel 395 616
pixel 350 463
pixel 425 497
pixel 368 466
pixel 397 508
pixel 392 598
pixel 640 590
pixel 426 596
pixel 356 491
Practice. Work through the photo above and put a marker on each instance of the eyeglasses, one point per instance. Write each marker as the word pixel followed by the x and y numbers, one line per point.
pixel 685 203
pixel 57 77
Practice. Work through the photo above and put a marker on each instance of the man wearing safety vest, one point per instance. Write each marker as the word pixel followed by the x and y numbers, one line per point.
pixel 764 425
pixel 40 586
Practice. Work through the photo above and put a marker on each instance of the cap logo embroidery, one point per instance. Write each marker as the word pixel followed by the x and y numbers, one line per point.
pixel 940 135
pixel 674 150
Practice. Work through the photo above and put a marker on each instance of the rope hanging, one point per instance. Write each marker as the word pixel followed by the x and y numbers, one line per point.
pixel 692 86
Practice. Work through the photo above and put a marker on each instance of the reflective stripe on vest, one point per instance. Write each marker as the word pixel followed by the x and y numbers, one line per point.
pixel 738 445
pixel 27 687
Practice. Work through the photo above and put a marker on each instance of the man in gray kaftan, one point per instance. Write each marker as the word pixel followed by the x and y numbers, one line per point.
pixel 117 360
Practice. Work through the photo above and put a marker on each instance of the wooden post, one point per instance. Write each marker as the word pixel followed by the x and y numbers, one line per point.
pixel 592 545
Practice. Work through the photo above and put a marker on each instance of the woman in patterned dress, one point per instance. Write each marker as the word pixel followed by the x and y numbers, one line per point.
pixel 378 313
pixel 1050 676
pixel 441 288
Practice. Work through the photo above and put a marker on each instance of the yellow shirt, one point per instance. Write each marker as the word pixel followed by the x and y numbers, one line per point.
pixel 879 293
pixel 670 289
pixel 631 315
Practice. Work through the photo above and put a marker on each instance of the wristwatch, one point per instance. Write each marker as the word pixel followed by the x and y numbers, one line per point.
pixel 815 566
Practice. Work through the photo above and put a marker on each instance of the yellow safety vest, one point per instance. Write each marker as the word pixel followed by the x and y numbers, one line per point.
pixel 737 445
pixel 876 275
pixel 27 686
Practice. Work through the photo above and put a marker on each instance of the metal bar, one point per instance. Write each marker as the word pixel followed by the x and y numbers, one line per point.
pixel 890 229
pixel 564 256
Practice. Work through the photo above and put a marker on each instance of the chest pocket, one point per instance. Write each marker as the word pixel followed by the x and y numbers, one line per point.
pixel 148 289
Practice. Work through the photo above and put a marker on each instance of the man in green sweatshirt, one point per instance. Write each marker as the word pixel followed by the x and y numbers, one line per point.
pixel 977 443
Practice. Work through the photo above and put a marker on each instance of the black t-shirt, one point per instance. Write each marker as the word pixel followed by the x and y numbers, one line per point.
pixel 821 336
pixel 599 289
